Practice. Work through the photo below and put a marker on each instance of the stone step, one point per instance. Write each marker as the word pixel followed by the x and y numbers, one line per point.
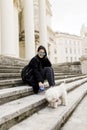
pixel 10 67
pixel 10 94
pixel 67 71
pixel 48 118
pixel 15 111
pixel 18 62
pixel 7 83
pixel 67 80
pixel 20 68
pixel 4 70
pixel 6 60
pixel 2 66
pixel 10 83
pixel 78 120
pixel 66 76
pixel 60 70
pixel 56 73
pixel 17 69
pixel 10 75
pixel 18 75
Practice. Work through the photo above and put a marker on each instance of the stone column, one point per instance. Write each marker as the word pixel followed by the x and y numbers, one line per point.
pixel 7 28
pixel 0 31
pixel 83 61
pixel 16 31
pixel 52 53
pixel 43 23
pixel 29 29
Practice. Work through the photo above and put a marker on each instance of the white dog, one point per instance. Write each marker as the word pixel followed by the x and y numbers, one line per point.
pixel 55 94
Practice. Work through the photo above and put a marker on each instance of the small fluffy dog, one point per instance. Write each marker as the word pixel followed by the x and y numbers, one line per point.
pixel 55 94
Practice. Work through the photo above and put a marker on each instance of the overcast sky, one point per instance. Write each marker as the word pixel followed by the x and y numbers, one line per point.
pixel 69 15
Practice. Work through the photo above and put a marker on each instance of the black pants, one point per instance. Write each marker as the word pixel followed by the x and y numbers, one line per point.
pixel 47 74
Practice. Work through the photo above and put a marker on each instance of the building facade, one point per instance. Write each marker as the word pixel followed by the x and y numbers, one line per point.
pixel 26 24
pixel 70 48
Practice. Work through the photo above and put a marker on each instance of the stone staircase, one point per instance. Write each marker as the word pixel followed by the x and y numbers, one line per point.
pixel 21 109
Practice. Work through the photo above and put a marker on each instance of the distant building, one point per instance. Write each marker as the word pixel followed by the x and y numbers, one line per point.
pixel 69 47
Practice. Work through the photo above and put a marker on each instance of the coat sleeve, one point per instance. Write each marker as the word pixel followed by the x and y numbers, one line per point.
pixel 47 63
pixel 36 71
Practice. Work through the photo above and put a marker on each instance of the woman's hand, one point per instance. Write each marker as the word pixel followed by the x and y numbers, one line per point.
pixel 41 84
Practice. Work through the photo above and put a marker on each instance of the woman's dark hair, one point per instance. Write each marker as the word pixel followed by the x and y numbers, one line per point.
pixel 43 48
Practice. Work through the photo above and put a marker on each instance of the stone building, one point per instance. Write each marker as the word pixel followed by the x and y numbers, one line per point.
pixel 24 25
pixel 70 48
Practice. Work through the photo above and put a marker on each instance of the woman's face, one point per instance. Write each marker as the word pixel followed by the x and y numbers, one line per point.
pixel 41 53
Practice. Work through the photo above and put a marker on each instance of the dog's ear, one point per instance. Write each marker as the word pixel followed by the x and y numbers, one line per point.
pixel 55 100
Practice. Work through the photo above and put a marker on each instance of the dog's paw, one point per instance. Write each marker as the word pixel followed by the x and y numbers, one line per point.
pixel 55 105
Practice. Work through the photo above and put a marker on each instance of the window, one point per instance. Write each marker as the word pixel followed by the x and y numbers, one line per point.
pixel 70 50
pixel 71 59
pixel 66 50
pixel 66 59
pixel 55 51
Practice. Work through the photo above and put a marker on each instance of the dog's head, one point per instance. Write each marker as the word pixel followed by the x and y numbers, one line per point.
pixel 51 97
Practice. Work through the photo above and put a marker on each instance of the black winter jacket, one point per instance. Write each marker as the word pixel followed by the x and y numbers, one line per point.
pixel 37 64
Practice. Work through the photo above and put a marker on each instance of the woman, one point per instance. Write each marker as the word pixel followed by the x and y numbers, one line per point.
pixel 41 70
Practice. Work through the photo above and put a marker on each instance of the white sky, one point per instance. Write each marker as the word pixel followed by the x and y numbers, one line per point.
pixel 69 15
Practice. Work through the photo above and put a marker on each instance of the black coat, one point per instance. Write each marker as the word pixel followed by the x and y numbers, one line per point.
pixel 37 64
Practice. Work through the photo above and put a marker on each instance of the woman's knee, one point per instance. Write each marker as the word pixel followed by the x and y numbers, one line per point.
pixel 48 68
